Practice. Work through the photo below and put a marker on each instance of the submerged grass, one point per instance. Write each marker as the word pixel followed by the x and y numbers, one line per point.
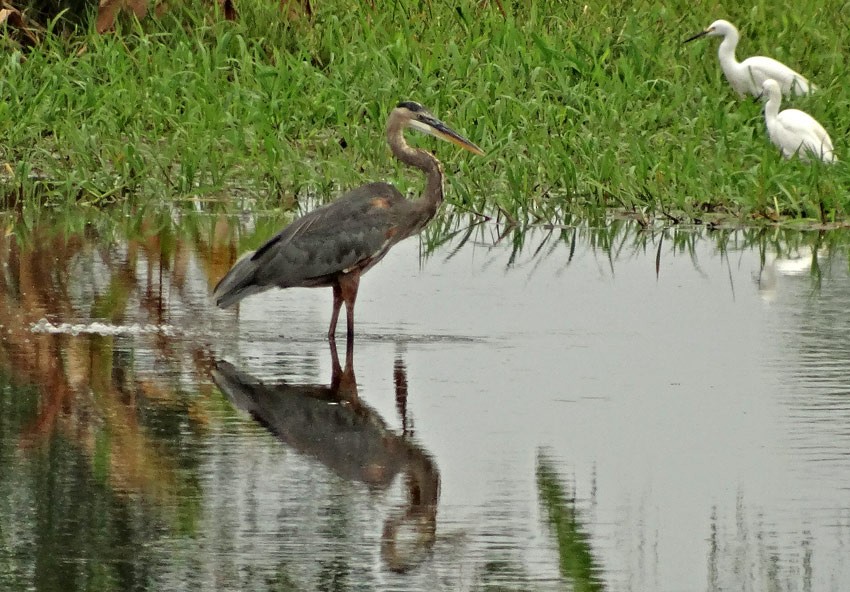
pixel 581 108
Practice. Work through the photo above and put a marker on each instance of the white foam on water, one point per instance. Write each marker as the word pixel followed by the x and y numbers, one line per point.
pixel 100 328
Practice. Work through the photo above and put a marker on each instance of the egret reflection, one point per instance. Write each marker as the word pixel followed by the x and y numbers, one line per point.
pixel 332 425
pixel 795 263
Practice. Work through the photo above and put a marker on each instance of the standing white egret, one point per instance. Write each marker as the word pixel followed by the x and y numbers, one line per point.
pixel 792 130
pixel 748 76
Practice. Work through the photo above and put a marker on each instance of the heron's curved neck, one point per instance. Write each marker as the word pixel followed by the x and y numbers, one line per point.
pixel 432 196
pixel 771 107
pixel 726 51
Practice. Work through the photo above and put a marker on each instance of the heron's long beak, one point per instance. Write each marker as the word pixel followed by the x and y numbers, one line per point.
pixel 697 36
pixel 436 128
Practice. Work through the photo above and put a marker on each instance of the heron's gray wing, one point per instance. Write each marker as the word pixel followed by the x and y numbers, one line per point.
pixel 332 239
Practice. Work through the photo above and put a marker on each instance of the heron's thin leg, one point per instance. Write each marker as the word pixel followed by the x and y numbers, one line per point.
pixel 348 383
pixel 335 314
pixel 348 285
pixel 343 382
pixel 349 360
pixel 336 369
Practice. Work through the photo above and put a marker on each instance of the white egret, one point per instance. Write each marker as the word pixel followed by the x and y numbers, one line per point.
pixel 792 130
pixel 748 76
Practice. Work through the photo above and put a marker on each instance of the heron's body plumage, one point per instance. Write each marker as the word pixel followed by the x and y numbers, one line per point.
pixel 353 232
pixel 337 243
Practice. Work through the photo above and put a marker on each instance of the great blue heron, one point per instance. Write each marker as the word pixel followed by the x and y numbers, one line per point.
pixel 335 244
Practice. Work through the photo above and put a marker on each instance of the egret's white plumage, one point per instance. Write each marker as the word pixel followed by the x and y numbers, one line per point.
pixel 749 75
pixel 792 130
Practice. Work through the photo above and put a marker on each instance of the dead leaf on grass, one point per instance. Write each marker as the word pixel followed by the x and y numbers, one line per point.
pixel 11 17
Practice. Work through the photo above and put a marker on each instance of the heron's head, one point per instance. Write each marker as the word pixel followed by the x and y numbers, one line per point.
pixel 718 28
pixel 770 89
pixel 416 116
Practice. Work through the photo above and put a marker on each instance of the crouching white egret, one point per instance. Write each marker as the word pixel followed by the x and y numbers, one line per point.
pixel 792 130
pixel 749 75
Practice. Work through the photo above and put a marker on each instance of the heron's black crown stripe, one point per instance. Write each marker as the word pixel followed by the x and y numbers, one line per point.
pixel 411 105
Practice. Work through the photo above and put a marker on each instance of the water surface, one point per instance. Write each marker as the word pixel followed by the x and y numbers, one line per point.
pixel 587 409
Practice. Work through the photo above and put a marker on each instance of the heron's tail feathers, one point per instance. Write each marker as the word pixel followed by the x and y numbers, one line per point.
pixel 238 283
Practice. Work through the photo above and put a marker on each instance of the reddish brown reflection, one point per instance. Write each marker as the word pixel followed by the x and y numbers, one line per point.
pixel 89 388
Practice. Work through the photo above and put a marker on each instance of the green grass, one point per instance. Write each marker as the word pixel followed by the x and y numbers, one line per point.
pixel 581 108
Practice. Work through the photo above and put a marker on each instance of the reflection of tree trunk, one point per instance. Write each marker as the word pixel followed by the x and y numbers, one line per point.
pixel 32 290
pixel 87 387
pixel 219 253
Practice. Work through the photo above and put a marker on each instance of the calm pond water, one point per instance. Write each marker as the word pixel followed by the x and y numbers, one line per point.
pixel 591 410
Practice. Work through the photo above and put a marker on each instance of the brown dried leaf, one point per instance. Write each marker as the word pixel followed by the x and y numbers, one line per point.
pixel 106 13
pixel 13 18
pixel 9 15
pixel 108 10
pixel 498 4
pixel 295 8
pixel 229 9
pixel 139 7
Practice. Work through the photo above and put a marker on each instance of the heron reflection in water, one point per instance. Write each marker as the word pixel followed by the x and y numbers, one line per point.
pixel 333 426
pixel 335 244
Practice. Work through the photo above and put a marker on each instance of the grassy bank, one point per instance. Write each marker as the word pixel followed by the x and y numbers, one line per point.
pixel 580 108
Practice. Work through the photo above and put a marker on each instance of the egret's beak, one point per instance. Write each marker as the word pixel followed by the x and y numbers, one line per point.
pixel 433 126
pixel 697 36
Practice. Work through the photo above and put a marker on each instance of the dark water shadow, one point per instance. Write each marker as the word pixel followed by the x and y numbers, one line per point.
pixel 330 424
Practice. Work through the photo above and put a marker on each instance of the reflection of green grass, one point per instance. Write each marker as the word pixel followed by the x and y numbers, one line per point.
pixel 61 528
pixel 621 240
pixel 617 239
pixel 580 107
pixel 576 556
pixel 18 407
